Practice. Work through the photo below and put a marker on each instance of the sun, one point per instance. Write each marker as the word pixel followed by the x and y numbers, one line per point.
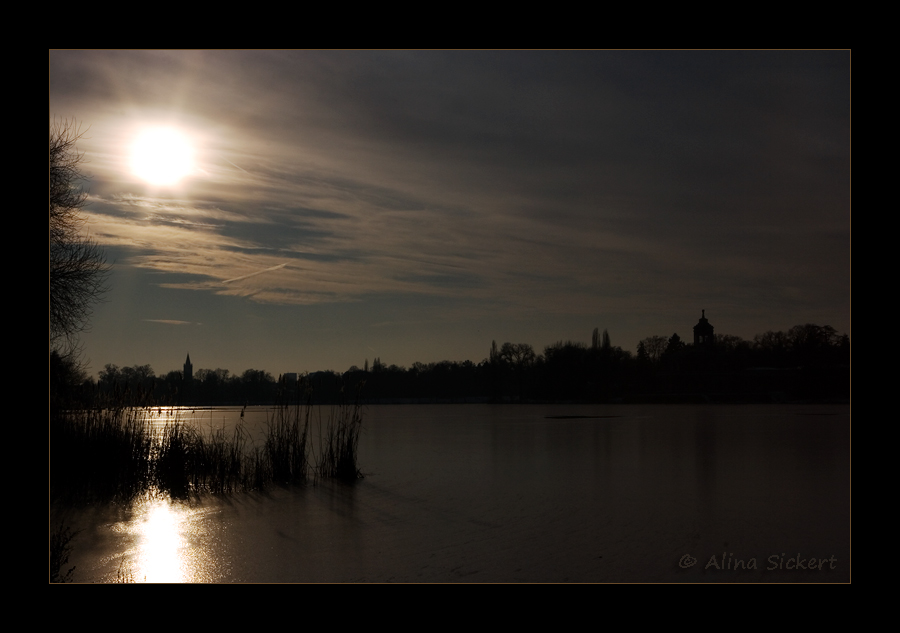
pixel 162 156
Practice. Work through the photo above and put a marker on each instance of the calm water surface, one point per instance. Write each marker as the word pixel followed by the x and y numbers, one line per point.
pixel 517 493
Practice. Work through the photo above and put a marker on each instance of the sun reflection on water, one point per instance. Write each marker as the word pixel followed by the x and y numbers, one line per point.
pixel 171 545
pixel 159 557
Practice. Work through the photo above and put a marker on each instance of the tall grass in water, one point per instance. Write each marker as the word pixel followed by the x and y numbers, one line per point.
pixel 187 462
pixel 285 452
pixel 339 440
pixel 99 454
pixel 120 453
pixel 60 547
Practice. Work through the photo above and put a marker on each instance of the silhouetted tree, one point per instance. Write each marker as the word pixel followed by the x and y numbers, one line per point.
pixel 257 386
pixel 66 379
pixel 730 343
pixel 642 356
pixel 772 348
pixel 818 345
pixel 566 370
pixel 517 354
pixel 494 370
pixel 674 345
pixel 109 376
pixel 173 386
pixel 78 267
pixel 519 357
pixel 655 346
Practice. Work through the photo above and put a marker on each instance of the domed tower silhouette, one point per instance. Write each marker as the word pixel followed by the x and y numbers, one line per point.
pixel 703 333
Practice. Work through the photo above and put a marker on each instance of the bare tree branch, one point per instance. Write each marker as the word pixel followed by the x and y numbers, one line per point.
pixel 78 268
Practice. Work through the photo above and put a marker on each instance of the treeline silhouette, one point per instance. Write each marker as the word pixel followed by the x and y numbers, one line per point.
pixel 807 362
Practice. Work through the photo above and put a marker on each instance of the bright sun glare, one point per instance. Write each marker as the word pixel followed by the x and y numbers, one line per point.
pixel 162 156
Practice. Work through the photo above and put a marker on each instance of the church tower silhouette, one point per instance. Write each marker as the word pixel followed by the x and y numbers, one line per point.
pixel 703 332
pixel 188 369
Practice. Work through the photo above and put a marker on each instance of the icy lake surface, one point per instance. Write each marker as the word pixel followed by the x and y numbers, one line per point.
pixel 518 493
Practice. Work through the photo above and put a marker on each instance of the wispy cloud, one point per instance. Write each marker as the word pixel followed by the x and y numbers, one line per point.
pixel 519 183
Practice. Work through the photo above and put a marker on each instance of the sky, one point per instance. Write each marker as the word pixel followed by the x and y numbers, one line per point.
pixel 414 206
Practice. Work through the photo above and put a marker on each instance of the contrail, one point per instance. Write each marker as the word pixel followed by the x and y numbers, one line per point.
pixel 258 272
pixel 168 321
pixel 233 165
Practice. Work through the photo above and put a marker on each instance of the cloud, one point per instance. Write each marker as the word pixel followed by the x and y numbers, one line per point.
pixel 517 181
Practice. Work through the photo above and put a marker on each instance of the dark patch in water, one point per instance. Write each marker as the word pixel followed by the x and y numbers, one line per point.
pixel 578 417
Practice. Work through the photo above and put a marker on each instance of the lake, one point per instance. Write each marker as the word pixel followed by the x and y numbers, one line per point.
pixel 517 493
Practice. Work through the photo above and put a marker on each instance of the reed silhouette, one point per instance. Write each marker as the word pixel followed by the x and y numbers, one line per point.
pixel 61 537
pixel 339 441
pixel 120 453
